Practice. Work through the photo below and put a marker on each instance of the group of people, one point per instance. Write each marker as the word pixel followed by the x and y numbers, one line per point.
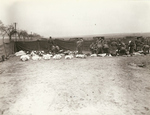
pixel 118 47
pixel 99 46
pixel 115 47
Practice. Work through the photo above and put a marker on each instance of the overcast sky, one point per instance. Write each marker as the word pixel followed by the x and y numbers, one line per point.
pixel 58 18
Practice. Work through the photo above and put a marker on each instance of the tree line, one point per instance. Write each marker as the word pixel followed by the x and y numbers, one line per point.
pixel 11 32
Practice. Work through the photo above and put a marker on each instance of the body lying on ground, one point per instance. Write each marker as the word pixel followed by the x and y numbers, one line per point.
pixel 25 57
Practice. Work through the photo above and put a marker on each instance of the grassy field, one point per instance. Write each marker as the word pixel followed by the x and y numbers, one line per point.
pixel 92 86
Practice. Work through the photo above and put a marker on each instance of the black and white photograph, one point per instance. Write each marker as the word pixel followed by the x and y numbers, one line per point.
pixel 74 57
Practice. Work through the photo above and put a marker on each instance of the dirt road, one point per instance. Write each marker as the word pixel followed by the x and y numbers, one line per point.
pixel 92 86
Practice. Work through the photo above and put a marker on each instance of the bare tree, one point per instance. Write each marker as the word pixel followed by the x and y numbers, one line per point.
pixel 23 34
pixel 10 30
pixel 36 35
pixel 7 30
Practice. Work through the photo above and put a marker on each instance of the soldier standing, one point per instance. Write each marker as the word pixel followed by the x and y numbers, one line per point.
pixel 80 45
pixel 93 48
pixel 131 47
pixel 138 44
pixel 113 48
pixel 50 43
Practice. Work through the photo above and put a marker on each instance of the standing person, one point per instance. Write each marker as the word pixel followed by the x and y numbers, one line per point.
pixel 106 48
pixel 99 47
pixel 102 40
pixel 123 50
pixel 50 43
pixel 131 47
pixel 80 46
pixel 118 46
pixel 93 48
pixel 138 44
pixel 113 48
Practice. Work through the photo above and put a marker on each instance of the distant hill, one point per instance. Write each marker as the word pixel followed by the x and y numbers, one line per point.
pixel 114 35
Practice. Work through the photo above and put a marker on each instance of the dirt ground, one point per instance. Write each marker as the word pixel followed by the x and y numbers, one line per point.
pixel 92 86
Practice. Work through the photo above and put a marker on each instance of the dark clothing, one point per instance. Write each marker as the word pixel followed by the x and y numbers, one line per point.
pixel 51 43
pixel 114 44
pixel 99 50
pixel 106 49
pixel 138 44
pixel 123 51
pixel 93 48
pixel 131 50
pixel 146 49
pixel 131 47
pixel 99 47
pixel 119 47
pixel 79 50
pixel 113 48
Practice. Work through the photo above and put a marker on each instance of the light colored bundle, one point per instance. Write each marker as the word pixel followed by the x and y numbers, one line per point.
pixel 93 55
pixel 61 54
pixel 47 56
pixel 57 57
pixel 41 53
pixel 81 56
pixel 110 55
pixel 24 57
pixel 20 53
pixel 33 53
pixel 137 54
pixel 102 55
pixel 69 57
pixel 36 57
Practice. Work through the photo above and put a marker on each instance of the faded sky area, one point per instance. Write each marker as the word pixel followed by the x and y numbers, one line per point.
pixel 58 18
